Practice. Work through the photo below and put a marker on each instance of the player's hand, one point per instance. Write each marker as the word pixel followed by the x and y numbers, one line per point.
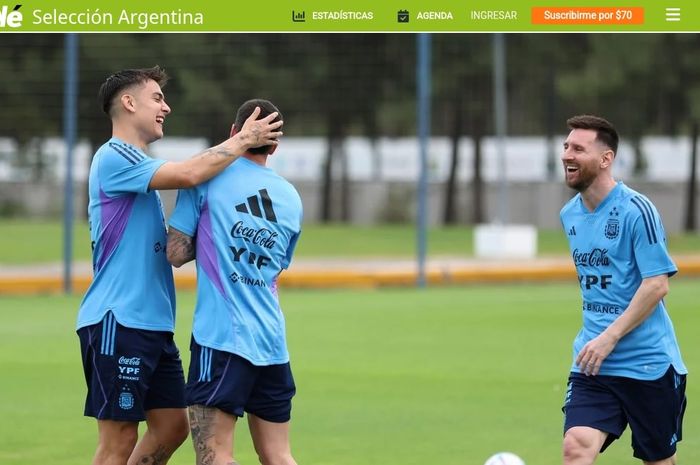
pixel 591 357
pixel 258 132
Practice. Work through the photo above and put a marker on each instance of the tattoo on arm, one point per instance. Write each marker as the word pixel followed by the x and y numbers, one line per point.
pixel 218 152
pixel 180 247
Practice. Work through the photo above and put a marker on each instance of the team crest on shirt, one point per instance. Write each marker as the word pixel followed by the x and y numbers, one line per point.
pixel 612 227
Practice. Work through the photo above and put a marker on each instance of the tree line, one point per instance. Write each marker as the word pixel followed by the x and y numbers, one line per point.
pixel 337 85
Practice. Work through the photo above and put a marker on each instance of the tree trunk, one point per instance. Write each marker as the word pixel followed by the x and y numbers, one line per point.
pixel 690 222
pixel 345 197
pixel 478 182
pixel 326 184
pixel 451 186
pixel 640 164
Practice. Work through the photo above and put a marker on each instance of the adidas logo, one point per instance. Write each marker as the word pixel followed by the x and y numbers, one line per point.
pixel 572 231
pixel 252 206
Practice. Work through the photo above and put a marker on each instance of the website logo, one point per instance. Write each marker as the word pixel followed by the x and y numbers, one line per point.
pixel 253 206
pixel 11 18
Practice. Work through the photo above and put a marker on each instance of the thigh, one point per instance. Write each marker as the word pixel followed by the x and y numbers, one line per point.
pixel 271 439
pixel 271 398
pixel 591 403
pixel 212 433
pixel 655 412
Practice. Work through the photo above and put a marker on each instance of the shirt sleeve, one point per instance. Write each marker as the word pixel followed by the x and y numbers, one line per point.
pixel 293 241
pixel 290 251
pixel 123 171
pixel 188 207
pixel 649 240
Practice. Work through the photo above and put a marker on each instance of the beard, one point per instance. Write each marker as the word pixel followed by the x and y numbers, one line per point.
pixel 581 180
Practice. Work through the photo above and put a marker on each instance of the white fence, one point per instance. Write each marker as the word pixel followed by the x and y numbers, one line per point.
pixel 389 159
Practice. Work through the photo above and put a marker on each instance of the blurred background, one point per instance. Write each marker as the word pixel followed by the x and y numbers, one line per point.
pixel 349 104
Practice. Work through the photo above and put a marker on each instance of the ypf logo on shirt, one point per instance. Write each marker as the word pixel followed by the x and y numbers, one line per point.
pixel 10 18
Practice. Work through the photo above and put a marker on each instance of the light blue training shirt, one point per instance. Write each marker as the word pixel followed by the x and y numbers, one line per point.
pixel 132 276
pixel 246 222
pixel 614 248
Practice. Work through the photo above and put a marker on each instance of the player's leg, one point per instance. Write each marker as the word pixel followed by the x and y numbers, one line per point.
pixel 594 419
pixel 582 445
pixel 167 430
pixel 114 398
pixel 212 435
pixel 166 415
pixel 668 461
pixel 655 412
pixel 271 441
pixel 116 441
pixel 218 386
pixel 269 409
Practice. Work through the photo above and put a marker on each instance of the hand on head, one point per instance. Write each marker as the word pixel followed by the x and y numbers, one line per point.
pixel 258 132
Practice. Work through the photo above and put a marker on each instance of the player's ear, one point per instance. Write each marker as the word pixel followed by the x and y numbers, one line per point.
pixel 234 130
pixel 272 150
pixel 607 159
pixel 127 101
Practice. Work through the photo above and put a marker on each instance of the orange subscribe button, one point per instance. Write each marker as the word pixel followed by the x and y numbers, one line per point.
pixel 587 15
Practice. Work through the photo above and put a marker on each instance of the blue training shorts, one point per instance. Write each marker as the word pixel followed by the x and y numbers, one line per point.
pixel 129 371
pixel 653 409
pixel 234 385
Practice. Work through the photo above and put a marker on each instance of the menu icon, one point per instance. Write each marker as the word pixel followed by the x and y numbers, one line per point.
pixel 402 16
pixel 673 14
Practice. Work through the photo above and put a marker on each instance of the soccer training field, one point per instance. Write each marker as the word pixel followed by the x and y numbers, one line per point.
pixel 442 376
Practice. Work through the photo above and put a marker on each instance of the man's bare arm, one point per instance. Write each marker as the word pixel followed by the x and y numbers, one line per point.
pixel 209 163
pixel 180 247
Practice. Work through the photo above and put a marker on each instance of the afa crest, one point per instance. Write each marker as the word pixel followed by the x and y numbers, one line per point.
pixel 126 400
pixel 612 228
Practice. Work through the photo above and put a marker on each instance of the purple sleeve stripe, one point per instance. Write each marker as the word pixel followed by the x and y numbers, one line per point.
pixel 115 213
pixel 206 252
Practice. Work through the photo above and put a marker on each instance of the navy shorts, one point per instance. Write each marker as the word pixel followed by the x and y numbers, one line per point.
pixel 653 409
pixel 234 385
pixel 129 371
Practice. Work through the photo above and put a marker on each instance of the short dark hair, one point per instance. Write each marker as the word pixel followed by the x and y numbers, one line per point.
pixel 605 131
pixel 244 112
pixel 126 78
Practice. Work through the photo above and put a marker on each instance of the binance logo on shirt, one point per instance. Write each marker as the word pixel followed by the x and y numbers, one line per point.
pixel 252 207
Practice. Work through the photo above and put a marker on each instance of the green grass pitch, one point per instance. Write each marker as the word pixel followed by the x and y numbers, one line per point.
pixel 25 242
pixel 443 376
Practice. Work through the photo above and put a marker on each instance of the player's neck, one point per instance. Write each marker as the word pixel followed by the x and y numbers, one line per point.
pixel 258 159
pixel 128 135
pixel 598 191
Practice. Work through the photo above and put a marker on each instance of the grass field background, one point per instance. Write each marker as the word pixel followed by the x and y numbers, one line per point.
pixel 443 376
pixel 25 242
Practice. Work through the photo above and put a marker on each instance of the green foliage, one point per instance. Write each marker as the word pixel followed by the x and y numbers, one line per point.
pixel 442 376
